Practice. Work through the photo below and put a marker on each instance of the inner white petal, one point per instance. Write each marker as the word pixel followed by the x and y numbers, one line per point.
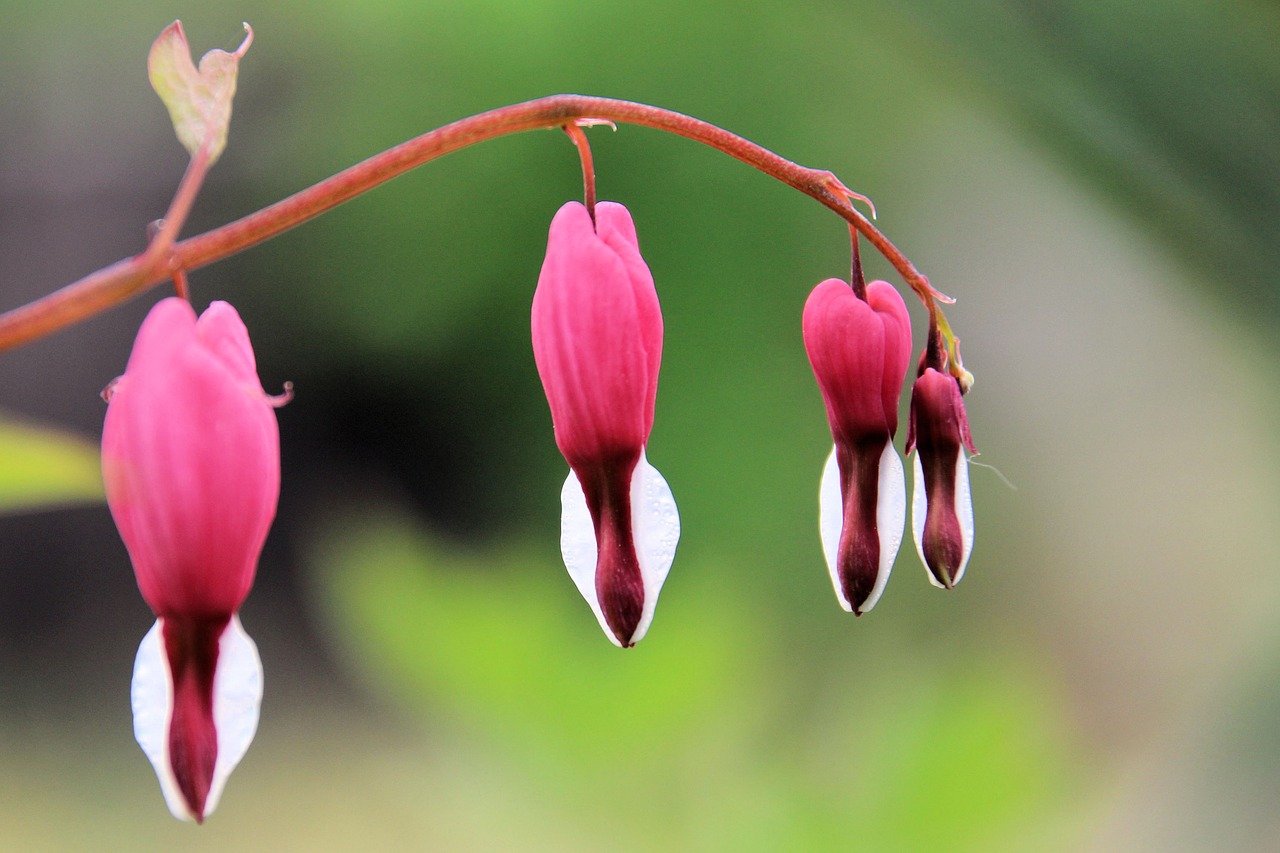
pixel 578 546
pixel 237 700
pixel 891 518
pixel 963 508
pixel 655 525
pixel 151 695
pixel 964 512
pixel 655 528
pixel 831 522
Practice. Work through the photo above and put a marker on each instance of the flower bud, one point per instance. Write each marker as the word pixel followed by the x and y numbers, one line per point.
pixel 941 506
pixel 191 464
pixel 859 351
pixel 597 342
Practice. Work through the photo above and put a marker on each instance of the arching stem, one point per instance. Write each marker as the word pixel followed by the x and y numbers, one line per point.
pixel 126 278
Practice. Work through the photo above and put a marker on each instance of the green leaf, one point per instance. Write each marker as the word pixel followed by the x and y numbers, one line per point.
pixel 199 100
pixel 41 468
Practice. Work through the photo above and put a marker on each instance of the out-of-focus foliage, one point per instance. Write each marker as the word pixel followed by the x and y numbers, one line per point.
pixel 1170 107
pixel 41 468
pixel 688 737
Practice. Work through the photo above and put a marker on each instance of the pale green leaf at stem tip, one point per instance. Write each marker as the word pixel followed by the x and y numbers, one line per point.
pixel 198 99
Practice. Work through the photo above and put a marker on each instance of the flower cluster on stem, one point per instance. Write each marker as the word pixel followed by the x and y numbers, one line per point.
pixel 858 338
pixel 190 450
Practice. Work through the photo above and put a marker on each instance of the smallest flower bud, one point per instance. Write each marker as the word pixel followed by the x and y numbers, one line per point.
pixel 941 506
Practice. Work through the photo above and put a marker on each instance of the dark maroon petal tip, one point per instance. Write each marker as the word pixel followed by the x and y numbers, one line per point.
pixel 192 648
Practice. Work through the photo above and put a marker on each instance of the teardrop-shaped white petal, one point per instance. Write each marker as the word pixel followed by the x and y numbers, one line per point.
pixel 963 506
pixel 655 529
pixel 151 695
pixel 831 522
pixel 655 525
pixel 237 698
pixel 964 512
pixel 920 511
pixel 891 517
pixel 578 545
pixel 891 520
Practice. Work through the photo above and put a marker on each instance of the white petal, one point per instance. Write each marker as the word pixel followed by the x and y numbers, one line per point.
pixel 578 545
pixel 831 522
pixel 237 700
pixel 151 695
pixel 891 519
pixel 237 697
pixel 964 512
pixel 919 511
pixel 963 509
pixel 655 527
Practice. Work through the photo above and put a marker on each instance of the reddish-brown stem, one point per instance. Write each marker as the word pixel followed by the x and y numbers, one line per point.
pixel 180 286
pixel 856 277
pixel 128 277
pixel 183 200
pixel 588 166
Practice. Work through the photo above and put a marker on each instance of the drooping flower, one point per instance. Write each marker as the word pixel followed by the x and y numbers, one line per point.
pixel 941 506
pixel 191 463
pixel 597 342
pixel 859 351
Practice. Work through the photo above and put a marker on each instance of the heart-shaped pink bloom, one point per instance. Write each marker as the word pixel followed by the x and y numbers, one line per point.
pixel 597 342
pixel 859 351
pixel 191 464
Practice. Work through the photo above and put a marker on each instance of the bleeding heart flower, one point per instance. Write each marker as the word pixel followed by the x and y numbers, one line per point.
pixel 941 506
pixel 597 342
pixel 859 351
pixel 191 463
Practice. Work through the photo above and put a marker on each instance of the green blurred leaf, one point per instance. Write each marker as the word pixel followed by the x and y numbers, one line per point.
pixel 503 641
pixel 40 468
pixel 981 752
pixel 736 741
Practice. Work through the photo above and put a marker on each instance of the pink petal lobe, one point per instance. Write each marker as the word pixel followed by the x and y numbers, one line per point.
pixel 616 228
pixel 596 340
pixel 844 338
pixel 223 334
pixel 885 300
pixel 191 466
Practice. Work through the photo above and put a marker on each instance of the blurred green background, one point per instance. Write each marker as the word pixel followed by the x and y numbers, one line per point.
pixel 1097 184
